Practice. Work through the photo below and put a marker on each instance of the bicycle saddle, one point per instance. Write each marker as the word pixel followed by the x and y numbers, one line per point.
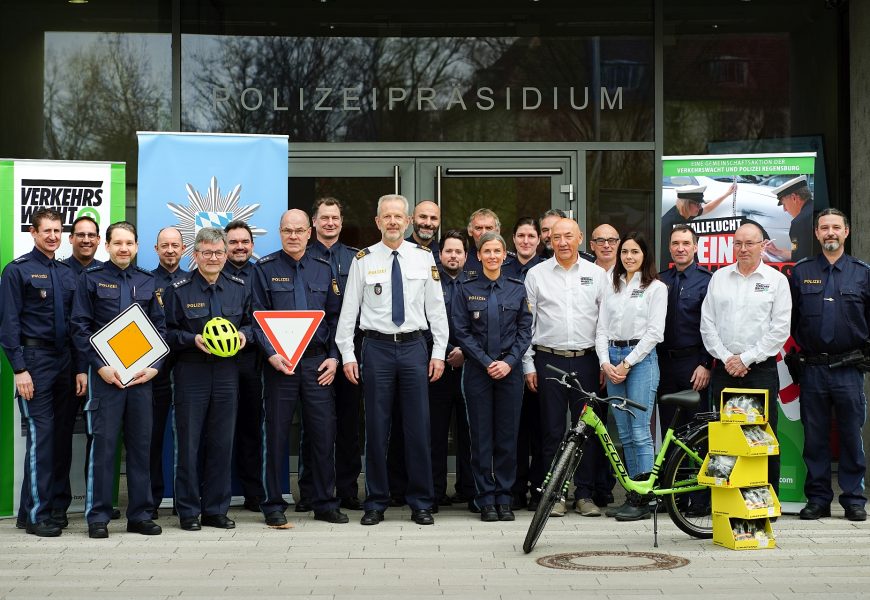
pixel 684 399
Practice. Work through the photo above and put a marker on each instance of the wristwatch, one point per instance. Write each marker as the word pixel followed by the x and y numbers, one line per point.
pixel 626 365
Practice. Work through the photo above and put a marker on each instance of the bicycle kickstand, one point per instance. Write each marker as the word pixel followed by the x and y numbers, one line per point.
pixel 656 523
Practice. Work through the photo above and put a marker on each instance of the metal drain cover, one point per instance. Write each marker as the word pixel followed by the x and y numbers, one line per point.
pixel 612 561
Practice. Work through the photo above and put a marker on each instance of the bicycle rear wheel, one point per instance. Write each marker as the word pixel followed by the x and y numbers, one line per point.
pixel 563 467
pixel 689 511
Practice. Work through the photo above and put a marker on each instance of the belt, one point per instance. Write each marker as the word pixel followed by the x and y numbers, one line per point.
pixel 824 358
pixel 37 343
pixel 565 353
pixel 623 343
pixel 684 352
pixel 393 337
pixel 314 349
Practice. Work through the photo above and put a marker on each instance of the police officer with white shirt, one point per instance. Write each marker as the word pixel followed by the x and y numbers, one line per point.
pixel 394 287
pixel 564 293
pixel 745 321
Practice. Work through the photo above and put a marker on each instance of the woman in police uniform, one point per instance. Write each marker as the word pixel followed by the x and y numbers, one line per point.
pixel 493 327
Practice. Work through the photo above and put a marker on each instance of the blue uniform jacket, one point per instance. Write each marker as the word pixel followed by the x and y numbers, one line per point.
pixel 188 309
pixel 77 267
pixel 164 279
pixel 98 299
pixel 683 329
pixel 339 257
pixel 516 269
pixel 469 313
pixel 274 283
pixel 850 301
pixel 27 302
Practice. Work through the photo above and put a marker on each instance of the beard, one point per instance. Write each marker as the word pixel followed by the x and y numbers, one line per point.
pixel 424 234
pixel 831 245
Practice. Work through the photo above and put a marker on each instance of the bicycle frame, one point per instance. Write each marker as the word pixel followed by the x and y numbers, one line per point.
pixel 647 486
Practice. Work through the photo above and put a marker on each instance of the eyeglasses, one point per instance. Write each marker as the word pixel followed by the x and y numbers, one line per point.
pixel 212 253
pixel 86 236
pixel 602 241
pixel 294 232
pixel 747 245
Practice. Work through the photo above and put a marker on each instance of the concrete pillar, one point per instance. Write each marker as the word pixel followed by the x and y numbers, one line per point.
pixel 859 105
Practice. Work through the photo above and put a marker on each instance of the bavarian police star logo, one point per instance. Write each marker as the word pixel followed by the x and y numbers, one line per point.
pixel 213 210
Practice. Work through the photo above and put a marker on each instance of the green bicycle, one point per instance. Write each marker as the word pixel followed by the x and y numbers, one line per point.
pixel 687 503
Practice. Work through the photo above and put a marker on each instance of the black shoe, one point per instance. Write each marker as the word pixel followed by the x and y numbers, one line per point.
pixel 252 504
pixel 472 507
pixel 532 506
pixel 351 503
pixel 147 527
pixel 47 528
pixel 602 500
pixel 116 514
pixel 59 517
pixel 219 521
pixel 813 511
pixel 488 514
pixel 633 513
pixel 854 512
pixel 372 517
pixel 331 516
pixel 276 519
pixel 422 517
pixel 20 523
pixel 505 513
pixel 519 501
pixel 302 506
pixel 614 510
pixel 98 530
pixel 434 509
pixel 155 514
pixel 445 500
pixel 190 524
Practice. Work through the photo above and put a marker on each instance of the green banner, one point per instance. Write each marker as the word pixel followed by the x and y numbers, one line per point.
pixel 722 166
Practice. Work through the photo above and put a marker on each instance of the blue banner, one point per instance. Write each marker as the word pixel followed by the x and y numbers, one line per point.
pixel 196 180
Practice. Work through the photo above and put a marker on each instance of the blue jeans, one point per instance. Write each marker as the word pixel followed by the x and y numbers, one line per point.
pixel 634 432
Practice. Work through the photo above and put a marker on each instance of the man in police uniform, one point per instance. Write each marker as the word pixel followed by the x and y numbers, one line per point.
pixel 84 239
pixel 690 204
pixel 394 288
pixel 328 214
pixel 248 442
pixel 103 292
pixel 831 299
pixel 206 385
pixel 169 248
pixel 744 324
pixel 425 222
pixel 547 220
pixel 36 294
pixel 290 279
pixel 796 199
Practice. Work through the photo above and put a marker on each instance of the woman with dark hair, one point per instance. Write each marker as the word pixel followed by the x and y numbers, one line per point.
pixel 631 321
pixel 526 237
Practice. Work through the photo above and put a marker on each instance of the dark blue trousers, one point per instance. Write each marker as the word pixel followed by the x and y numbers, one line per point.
pixel 66 410
pixel 50 371
pixel 445 402
pixel 206 395
pixel 493 407
pixel 248 447
pixel 675 376
pixel 840 390
pixel 161 403
pixel 397 373
pixel 282 394
pixel 555 401
pixel 111 411
pixel 528 442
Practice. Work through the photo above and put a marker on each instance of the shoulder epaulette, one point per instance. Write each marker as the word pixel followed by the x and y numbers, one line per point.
pixel 587 256
pixel 805 259
pixel 511 254
pixel 181 282
pixel 705 270
pixel 362 253
pixel 21 259
pixel 469 276
pixel 321 260
pixel 426 248
pixel 146 271
pixel 93 268
pixel 67 265
pixel 515 280
pixel 236 279
pixel 352 249
pixel 861 262
pixel 267 258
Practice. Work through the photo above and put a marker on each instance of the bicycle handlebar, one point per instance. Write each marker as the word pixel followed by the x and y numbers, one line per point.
pixel 565 376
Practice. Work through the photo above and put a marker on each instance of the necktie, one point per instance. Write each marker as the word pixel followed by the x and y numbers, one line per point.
pixel 829 308
pixel 674 303
pixel 493 329
pixel 57 300
pixel 214 303
pixel 126 298
pixel 299 290
pixel 398 292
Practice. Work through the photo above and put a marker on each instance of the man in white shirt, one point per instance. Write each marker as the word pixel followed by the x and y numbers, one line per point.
pixel 745 321
pixel 394 287
pixel 564 293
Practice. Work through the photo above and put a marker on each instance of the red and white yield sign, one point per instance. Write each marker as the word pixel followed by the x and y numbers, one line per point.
pixel 289 331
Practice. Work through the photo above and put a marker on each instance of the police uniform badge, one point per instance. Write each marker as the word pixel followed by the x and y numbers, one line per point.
pixel 378 289
pixel 435 275
pixel 43 294
pixel 335 289
pixel 475 315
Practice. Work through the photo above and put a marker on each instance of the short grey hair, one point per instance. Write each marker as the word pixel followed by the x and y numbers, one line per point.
pixel 390 197
pixel 210 235
pixel 484 212
pixel 490 236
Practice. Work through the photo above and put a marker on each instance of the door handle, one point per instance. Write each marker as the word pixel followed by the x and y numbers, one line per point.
pixel 438 185
pixel 396 179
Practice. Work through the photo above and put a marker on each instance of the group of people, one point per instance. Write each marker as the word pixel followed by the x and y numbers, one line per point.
pixel 421 332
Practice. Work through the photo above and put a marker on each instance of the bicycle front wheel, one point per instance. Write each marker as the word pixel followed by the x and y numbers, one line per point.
pixel 690 511
pixel 559 474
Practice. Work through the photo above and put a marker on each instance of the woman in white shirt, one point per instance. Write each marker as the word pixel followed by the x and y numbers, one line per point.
pixel 631 321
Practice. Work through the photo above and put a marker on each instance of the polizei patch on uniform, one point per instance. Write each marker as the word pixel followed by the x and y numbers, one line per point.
pixel 762 287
